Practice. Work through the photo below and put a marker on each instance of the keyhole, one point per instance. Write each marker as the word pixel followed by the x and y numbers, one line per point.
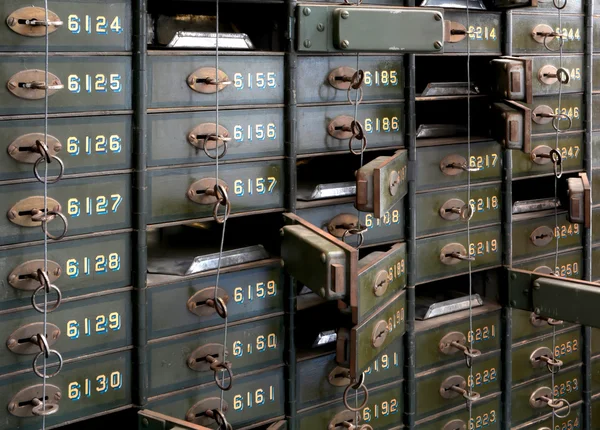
pixel 31 402
pixel 32 212
pixel 206 358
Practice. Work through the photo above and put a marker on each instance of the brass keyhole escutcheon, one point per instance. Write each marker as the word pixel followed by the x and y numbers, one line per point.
pixel 541 154
pixel 395 182
pixel 202 303
pixel 536 357
pixel 380 332
pixel 24 340
pixel 455 209
pixel 456 381
pixel 340 127
pixel 447 343
pixel 206 136
pixel 23 403
pixel 542 236
pixel 455 425
pixel 197 413
pixel 542 114
pixel 382 281
pixel 454 31
pixel 342 223
pixel 453 253
pixel 24 149
pixel 545 270
pixel 203 191
pixel 31 21
pixel 541 32
pixel 536 401
pixel 31 84
pixel 206 80
pixel 341 77
pixel 453 165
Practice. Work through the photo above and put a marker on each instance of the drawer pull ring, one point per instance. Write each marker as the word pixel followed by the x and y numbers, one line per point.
pixel 543 397
pixel 358 231
pixel 42 149
pixel 223 200
pixel 45 218
pixel 31 21
pixel 454 386
pixel 356 82
pixel 360 384
pixel 358 134
pixel 456 341
pixel 217 366
pixel 40 410
pixel 48 375
pixel 219 418
pixel 549 75
pixel 46 286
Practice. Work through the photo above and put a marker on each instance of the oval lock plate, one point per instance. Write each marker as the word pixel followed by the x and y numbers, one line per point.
pixel 545 270
pixel 197 81
pixel 448 250
pixel 198 136
pixel 339 377
pixel 447 164
pixel 16 82
pixel 452 209
pixel 24 276
pixel 19 148
pixel 197 359
pixel 197 413
pixel 20 214
pixel 538 33
pixel 455 425
pixel 446 346
pixel 544 72
pixel 335 127
pixel 536 114
pixel 343 416
pixel 197 304
pixel 21 406
pixel 197 191
pixel 542 236
pixel 340 78
pixel 535 401
pixel 452 381
pixel 534 358
pixel 454 31
pixel 539 150
pixel 17 21
pixel 20 341
pixel 382 281
pixel 342 222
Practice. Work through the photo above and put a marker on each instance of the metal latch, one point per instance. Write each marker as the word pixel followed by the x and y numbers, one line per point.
pixel 454 253
pixel 454 32
pixel 454 209
pixel 25 276
pixel 455 386
pixel 31 84
pixel 207 411
pixel 511 125
pixel 30 212
pixel 25 340
pixel 543 356
pixel 206 137
pixel 512 78
pixel 382 183
pixel 31 21
pixel 25 150
pixel 28 401
pixel 203 302
pixel 542 236
pixel 580 199
pixel 331 28
pixel 204 191
pixel 206 80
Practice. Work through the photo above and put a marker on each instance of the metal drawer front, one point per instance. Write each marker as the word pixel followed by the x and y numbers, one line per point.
pixel 88 387
pixel 486 29
pixel 384 77
pixel 89 204
pixel 90 84
pixel 567 385
pixel 572 421
pixel 527 325
pixel 571 105
pixel 252 292
pixel 566 347
pixel 595 172
pixel 571 146
pixel 251 187
pixel 522 25
pixel 318 375
pixel 544 231
pixel 255 79
pixel 383 410
pixel 485 413
pixel 92 26
pixel 254 133
pixel 434 208
pixel 595 341
pixel 389 228
pixel 486 335
pixel 595 223
pixel 596 375
pixel 596 411
pixel 383 125
pixel 485 156
pixel 596 263
pixel 485 246
pixel 485 380
pixel 85 327
pixel 84 266
pixel 251 346
pixel 570 264
pixel 85 144
pixel 253 398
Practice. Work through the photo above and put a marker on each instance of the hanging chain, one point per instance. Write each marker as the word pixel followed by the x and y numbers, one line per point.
pixel 43 407
pixel 221 368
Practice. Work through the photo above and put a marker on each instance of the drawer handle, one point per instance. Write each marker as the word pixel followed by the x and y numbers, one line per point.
pixel 358 134
pixel 455 342
pixel 543 357
pixel 356 386
pixel 28 401
pixel 455 386
pixel 455 209
pixel 543 397
pixel 30 84
pixel 28 21
pixel 208 410
pixel 30 212
pixel 454 253
pixel 206 81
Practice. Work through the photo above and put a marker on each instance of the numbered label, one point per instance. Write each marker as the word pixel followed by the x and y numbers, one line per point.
pixel 566 348
pixel 100 205
pixel 566 270
pixel 482 421
pixel 483 162
pixel 89 145
pixel 99 83
pixel 482 334
pixel 382 125
pixel 567 230
pixel 87 24
pixel 477 32
pixel 258 291
pixel 568 425
pixel 258 80
pixel 381 78
pixel 99 264
pixel 388 218
pixel 99 385
pixel 383 363
pixel 396 320
pixel 482 378
pixel 567 387
pixel 261 344
pixel 483 247
pixel 569 33
pixel 571 112
pixel 382 409
pixel 254 132
pixel 101 324
pixel 251 399
pixel 242 187
pixel 484 204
